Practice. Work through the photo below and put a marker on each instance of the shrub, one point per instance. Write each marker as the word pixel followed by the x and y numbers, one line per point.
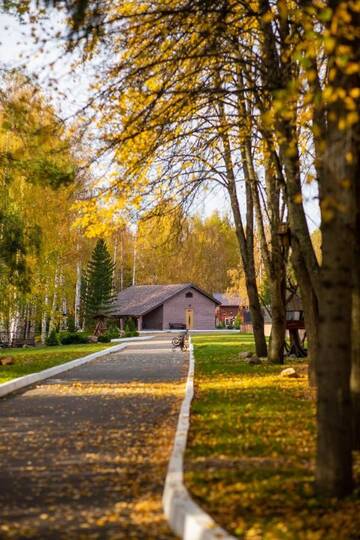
pixel 130 327
pixel 105 338
pixel 68 338
pixel 131 334
pixel 83 337
pixel 237 322
pixel 71 324
pixel 52 339
pixel 113 331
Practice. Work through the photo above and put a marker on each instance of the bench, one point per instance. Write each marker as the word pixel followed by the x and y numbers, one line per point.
pixel 177 326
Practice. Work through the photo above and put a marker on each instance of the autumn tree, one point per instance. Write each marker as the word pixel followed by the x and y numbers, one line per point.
pixel 173 86
pixel 33 150
pixel 175 248
pixel 35 157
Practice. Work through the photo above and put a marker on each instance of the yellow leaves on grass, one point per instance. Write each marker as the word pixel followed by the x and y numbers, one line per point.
pixel 251 446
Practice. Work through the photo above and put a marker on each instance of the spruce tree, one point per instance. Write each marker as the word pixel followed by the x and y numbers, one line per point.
pixel 99 282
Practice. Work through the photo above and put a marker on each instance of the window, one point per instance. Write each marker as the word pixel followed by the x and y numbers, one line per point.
pixel 189 295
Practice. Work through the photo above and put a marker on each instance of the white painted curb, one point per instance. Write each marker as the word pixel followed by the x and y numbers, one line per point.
pixel 185 517
pixel 131 339
pixel 192 331
pixel 27 380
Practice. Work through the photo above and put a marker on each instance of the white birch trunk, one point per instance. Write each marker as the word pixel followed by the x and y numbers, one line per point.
pixel 134 261
pixel 14 317
pixel 54 303
pixel 114 284
pixel 44 318
pixel 77 296
pixel 30 330
pixel 13 325
pixel 64 317
pixel 121 261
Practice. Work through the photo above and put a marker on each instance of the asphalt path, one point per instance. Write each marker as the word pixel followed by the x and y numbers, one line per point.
pixel 84 455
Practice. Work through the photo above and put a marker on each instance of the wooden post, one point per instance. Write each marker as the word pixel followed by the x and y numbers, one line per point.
pixel 139 323
pixel 121 324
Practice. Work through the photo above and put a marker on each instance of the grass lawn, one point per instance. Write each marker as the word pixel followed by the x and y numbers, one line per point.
pixel 39 358
pixel 250 455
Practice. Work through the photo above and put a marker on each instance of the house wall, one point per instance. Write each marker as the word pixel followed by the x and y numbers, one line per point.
pixel 204 310
pixel 247 328
pixel 153 320
pixel 223 312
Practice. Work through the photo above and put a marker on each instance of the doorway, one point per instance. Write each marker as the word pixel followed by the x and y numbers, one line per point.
pixel 189 318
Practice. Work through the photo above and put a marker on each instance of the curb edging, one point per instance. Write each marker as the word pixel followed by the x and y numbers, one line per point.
pixel 131 339
pixel 28 380
pixel 185 517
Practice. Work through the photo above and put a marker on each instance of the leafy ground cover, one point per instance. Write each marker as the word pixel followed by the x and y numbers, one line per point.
pixel 250 455
pixel 39 358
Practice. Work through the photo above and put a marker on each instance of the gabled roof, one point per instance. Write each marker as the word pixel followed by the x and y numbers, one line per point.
pixel 227 299
pixel 141 299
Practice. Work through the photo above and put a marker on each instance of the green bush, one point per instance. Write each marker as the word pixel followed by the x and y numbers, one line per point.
pixel 52 339
pixel 83 337
pixel 113 332
pixel 69 338
pixel 237 322
pixel 130 327
pixel 71 324
pixel 131 334
pixel 105 338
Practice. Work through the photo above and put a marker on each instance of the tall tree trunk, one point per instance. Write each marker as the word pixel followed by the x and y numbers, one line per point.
pixel 54 302
pixel 44 319
pixel 64 315
pixel 246 241
pixel 334 449
pixel 278 320
pixel 355 363
pixel 31 322
pixel 121 260
pixel 311 311
pixel 274 259
pixel 14 319
pixel 250 278
pixel 77 306
pixel 334 457
pixel 277 73
pixel 277 268
pixel 250 274
pixel 115 256
pixel 338 192
pixel 134 260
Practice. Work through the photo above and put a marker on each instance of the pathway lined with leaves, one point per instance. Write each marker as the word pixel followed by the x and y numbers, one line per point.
pixel 85 455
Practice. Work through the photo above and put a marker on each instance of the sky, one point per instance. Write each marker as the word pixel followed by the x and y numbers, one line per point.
pixel 70 93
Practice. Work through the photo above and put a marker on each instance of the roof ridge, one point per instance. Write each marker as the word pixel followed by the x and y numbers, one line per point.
pixel 140 299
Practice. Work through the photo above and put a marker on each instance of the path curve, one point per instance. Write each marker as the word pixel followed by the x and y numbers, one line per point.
pixel 84 455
